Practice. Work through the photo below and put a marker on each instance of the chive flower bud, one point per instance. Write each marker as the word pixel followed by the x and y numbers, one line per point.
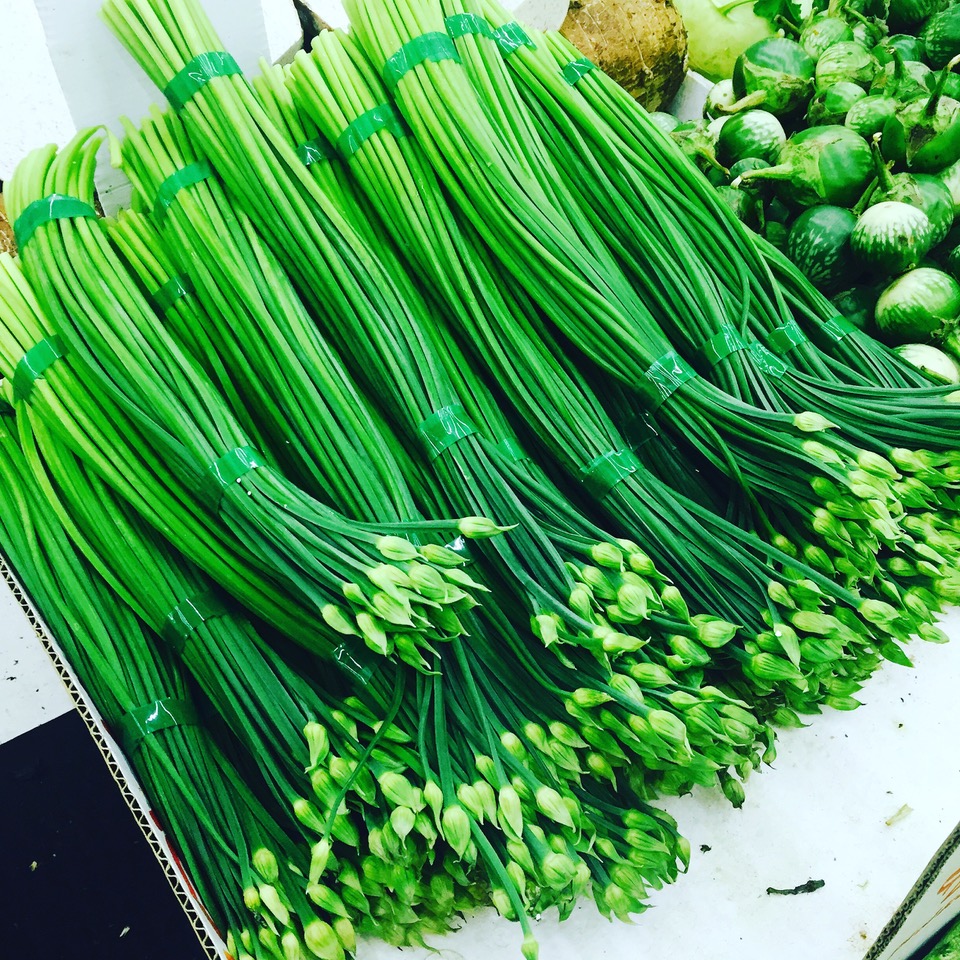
pixel 251 899
pixel 455 827
pixel 270 898
pixel 402 820
pixel 336 619
pixel 265 863
pixel 810 422
pixel 424 826
pixel 501 902
pixel 291 946
pixel 673 600
pixel 514 745
pixel 318 741
pixel 689 650
pixel 651 675
pixel 307 814
pixel 545 627
pixel 322 940
pixel 557 870
pixel 768 666
pixel 397 548
pixel 510 811
pixel 733 790
pixel 581 601
pixel 398 789
pixel 606 555
pixel 488 800
pixel 519 852
pixel 668 726
pixel 878 612
pixel 479 528
pixel 441 556
pixel 319 856
pixel 713 632
pixel 633 601
pixel 877 465
pixel 530 948
pixel 641 564
pixel 551 805
pixel 347 935
pixel 468 796
pixel 517 876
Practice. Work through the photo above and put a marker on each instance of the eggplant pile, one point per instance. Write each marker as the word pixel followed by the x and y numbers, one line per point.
pixel 840 145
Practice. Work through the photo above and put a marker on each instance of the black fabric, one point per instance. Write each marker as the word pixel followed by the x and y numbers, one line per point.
pixel 78 879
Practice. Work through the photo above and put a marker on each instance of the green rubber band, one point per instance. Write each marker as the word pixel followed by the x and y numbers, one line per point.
pixel 511 37
pixel 166 295
pixel 196 74
pixel 765 361
pixel 603 473
pixel 786 337
pixel 444 428
pixel 722 344
pixel 187 615
pixel 314 151
pixel 838 327
pixel 382 117
pixel 34 363
pixel 355 662
pixel 185 177
pixel 467 24
pixel 668 374
pixel 576 70
pixel 229 469
pixel 153 717
pixel 54 207
pixel 512 450
pixel 640 429
pixel 428 46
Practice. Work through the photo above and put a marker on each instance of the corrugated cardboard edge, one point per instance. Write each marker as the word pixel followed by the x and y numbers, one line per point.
pixel 927 878
pixel 124 777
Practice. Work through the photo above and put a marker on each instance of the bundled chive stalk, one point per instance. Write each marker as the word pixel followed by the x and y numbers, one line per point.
pixel 335 86
pixel 328 564
pixel 64 396
pixel 316 421
pixel 462 736
pixel 225 837
pixel 506 186
pixel 313 756
pixel 380 326
pixel 851 356
pixel 608 587
pixel 639 215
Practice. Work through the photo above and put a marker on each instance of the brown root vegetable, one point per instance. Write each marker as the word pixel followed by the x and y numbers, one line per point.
pixel 7 243
pixel 642 44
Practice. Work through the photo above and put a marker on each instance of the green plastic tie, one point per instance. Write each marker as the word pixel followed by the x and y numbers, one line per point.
pixel 838 327
pixel 640 429
pixel 722 344
pixel 187 176
pixel 603 473
pixel 511 450
pixel 444 428
pixel 314 151
pixel 153 717
pixel 187 615
pixel 786 337
pixel 56 206
pixel 382 117
pixel 356 662
pixel 576 70
pixel 511 37
pixel 33 364
pixel 765 361
pixel 229 469
pixel 428 46
pixel 166 295
pixel 467 24
pixel 668 374
pixel 196 74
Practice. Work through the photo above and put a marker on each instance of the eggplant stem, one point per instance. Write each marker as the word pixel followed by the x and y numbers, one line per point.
pixel 754 99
